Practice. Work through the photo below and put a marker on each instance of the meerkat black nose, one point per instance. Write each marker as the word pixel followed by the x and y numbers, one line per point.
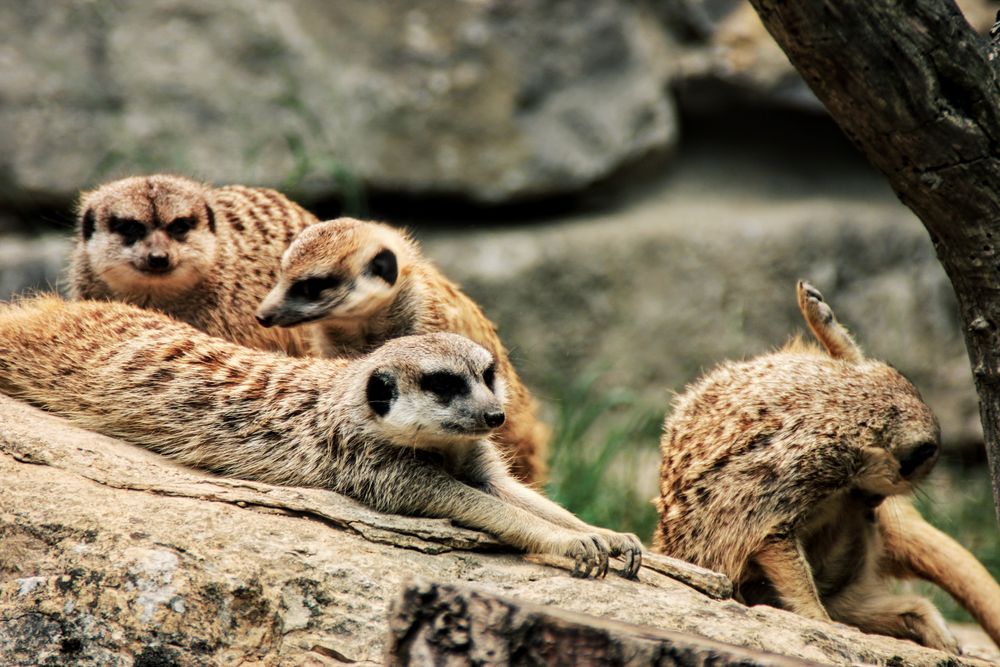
pixel 494 419
pixel 158 260
pixel 916 457
pixel 265 320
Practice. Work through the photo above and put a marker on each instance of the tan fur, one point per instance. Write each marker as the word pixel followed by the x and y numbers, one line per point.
pixel 365 309
pixel 219 270
pixel 364 427
pixel 775 471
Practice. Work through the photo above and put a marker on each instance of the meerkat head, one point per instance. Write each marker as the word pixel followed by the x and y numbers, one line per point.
pixel 900 436
pixel 148 234
pixel 339 270
pixel 433 390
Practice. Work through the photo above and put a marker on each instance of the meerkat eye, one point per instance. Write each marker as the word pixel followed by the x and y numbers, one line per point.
pixel 381 392
pixel 444 385
pixel 383 265
pixel 489 376
pixel 311 288
pixel 130 230
pixel 181 226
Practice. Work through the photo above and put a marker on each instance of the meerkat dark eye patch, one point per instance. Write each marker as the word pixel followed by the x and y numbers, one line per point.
pixel 383 265
pixel 311 288
pixel 489 376
pixel 180 227
pixel 87 224
pixel 444 385
pixel 381 392
pixel 130 230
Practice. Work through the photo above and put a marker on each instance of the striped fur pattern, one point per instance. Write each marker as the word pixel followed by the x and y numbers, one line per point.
pixel 203 255
pixel 357 284
pixel 790 472
pixel 403 429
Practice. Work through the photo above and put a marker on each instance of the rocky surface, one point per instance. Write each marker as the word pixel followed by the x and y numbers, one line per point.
pixel 490 100
pixel 111 555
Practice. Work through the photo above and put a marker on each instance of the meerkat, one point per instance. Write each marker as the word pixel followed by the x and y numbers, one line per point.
pixel 404 429
pixel 203 255
pixel 790 472
pixel 358 284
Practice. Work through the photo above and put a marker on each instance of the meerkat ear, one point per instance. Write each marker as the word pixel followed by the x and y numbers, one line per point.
pixel 87 224
pixel 210 214
pixel 381 392
pixel 384 266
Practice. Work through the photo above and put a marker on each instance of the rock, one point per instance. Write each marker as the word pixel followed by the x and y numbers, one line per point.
pixel 493 101
pixel 434 624
pixel 730 57
pixel 111 555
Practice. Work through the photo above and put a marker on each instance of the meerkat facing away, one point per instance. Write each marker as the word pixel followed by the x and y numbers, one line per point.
pixel 203 255
pixel 360 284
pixel 404 429
pixel 789 473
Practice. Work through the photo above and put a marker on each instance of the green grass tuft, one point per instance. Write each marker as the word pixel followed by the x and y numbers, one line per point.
pixel 600 441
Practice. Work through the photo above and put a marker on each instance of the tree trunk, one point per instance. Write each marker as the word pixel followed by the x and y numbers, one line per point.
pixel 913 87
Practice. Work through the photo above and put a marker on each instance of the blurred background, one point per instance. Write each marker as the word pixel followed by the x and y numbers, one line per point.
pixel 630 188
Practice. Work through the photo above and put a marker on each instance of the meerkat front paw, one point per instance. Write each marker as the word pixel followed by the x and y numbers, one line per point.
pixel 628 547
pixel 589 552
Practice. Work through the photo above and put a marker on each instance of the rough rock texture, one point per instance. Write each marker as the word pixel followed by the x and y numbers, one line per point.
pixel 110 555
pixel 433 624
pixel 493 100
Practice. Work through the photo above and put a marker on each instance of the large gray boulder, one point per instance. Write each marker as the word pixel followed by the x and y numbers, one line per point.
pixel 111 555
pixel 490 100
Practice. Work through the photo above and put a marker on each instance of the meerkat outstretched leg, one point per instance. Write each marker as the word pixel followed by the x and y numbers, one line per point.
pixel 914 548
pixel 625 545
pixel 480 509
pixel 904 616
pixel 824 325
pixel 784 564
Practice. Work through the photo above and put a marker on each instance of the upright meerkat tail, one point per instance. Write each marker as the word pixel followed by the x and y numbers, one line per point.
pixel 915 548
pixel 828 331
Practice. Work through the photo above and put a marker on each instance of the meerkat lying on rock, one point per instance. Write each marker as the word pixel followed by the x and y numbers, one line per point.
pixel 205 256
pixel 403 429
pixel 789 473
pixel 358 284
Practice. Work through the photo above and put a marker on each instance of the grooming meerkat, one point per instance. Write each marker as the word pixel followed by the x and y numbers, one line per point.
pixel 203 255
pixel 404 429
pixel 789 473
pixel 359 284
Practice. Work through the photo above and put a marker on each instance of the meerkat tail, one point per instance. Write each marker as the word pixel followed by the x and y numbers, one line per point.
pixel 824 325
pixel 916 548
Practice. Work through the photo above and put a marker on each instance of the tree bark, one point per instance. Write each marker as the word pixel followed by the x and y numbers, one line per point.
pixel 914 88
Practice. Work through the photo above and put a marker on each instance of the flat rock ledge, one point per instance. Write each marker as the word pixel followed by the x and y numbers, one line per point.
pixel 112 555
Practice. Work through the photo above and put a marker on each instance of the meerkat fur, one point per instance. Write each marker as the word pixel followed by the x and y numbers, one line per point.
pixel 809 455
pixel 404 429
pixel 357 284
pixel 203 255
